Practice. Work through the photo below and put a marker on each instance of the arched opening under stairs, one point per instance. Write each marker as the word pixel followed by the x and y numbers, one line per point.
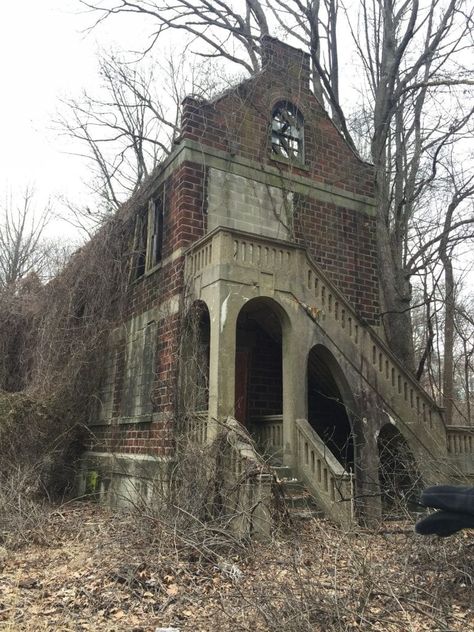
pixel 329 405
pixel 399 477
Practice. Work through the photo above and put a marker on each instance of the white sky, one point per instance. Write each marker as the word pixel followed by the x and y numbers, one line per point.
pixel 45 55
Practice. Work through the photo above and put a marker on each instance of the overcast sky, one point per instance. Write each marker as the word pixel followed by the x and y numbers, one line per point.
pixel 45 55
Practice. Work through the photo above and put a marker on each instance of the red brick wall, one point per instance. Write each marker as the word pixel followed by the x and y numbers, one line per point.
pixel 183 223
pixel 145 438
pixel 238 122
pixel 343 243
pixel 265 390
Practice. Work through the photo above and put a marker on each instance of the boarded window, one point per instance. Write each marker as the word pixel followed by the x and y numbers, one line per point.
pixel 106 394
pixel 139 369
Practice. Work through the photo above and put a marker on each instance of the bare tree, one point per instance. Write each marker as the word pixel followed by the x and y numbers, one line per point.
pixel 131 125
pixel 23 249
pixel 225 29
pixel 460 193
pixel 411 56
pixel 464 363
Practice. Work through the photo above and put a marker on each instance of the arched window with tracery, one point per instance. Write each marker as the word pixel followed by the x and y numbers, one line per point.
pixel 287 132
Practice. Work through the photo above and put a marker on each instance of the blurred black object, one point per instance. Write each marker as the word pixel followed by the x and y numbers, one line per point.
pixel 456 505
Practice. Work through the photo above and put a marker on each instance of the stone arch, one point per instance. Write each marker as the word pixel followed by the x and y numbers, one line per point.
pixel 195 359
pixel 261 326
pixel 399 476
pixel 331 408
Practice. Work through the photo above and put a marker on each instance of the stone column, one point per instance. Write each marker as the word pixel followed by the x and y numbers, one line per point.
pixel 294 390
pixel 224 309
pixel 367 489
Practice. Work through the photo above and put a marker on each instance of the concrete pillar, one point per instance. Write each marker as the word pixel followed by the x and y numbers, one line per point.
pixel 294 390
pixel 224 309
pixel 367 492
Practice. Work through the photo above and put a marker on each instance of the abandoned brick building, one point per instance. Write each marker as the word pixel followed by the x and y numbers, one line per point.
pixel 263 219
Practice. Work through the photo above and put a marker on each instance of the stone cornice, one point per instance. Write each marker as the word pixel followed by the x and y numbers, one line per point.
pixel 192 151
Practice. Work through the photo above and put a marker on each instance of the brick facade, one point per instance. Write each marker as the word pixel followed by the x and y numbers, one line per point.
pixel 340 240
pixel 343 244
pixel 265 393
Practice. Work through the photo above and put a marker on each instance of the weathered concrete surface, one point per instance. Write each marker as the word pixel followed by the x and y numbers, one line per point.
pixel 373 385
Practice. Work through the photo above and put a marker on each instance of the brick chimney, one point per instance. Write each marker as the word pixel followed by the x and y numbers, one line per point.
pixel 287 61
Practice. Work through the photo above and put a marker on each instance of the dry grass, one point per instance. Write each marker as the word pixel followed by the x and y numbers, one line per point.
pixel 96 570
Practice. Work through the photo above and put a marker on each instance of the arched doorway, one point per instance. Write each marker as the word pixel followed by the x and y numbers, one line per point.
pixel 399 478
pixel 258 372
pixel 328 406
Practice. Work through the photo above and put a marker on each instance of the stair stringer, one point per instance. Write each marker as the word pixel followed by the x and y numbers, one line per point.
pixel 400 396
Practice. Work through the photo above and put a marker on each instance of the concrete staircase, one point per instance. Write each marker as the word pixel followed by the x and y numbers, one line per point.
pixel 299 502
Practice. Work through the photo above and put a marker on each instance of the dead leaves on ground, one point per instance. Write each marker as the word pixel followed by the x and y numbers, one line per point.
pixel 100 572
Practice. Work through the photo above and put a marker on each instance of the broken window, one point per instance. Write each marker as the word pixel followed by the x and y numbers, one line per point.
pixel 139 244
pixel 148 237
pixel 155 218
pixel 287 132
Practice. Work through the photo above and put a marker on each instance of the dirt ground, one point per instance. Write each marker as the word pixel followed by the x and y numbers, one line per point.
pixel 87 568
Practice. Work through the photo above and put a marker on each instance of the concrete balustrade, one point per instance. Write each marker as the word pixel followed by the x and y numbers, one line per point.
pixel 326 306
pixel 324 476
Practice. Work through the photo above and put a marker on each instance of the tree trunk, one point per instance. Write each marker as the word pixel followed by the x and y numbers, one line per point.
pixel 396 297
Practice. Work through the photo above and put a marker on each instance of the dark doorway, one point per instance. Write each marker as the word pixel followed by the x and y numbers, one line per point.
pixel 327 412
pixel 258 375
pixel 399 477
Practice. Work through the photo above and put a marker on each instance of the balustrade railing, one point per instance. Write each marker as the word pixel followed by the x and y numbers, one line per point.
pixel 460 440
pixel 197 426
pixel 324 476
pixel 268 433
pixel 326 305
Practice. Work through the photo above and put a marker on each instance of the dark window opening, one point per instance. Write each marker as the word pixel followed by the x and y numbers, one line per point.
pixel 287 132
pixel 139 249
pixel 156 236
pixel 148 238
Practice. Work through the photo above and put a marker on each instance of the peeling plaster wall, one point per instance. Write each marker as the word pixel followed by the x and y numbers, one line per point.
pixel 244 204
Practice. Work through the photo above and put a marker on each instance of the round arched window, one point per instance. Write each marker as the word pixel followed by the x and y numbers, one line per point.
pixel 287 132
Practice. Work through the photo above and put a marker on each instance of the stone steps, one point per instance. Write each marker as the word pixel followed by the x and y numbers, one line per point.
pixel 299 503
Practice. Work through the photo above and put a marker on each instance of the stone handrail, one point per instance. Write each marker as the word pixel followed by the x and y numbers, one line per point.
pixel 249 496
pixel 461 449
pixel 324 476
pixel 329 308
pixel 268 431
